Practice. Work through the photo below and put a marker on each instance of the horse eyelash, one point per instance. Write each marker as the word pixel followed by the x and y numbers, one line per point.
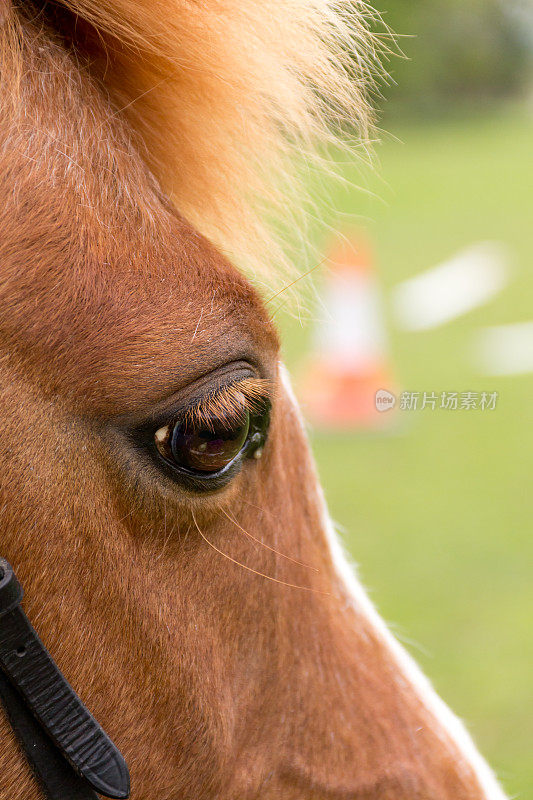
pixel 229 402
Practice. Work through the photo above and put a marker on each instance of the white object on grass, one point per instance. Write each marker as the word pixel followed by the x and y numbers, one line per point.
pixel 504 349
pixel 442 293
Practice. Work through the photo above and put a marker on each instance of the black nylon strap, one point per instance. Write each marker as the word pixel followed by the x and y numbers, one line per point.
pixel 46 712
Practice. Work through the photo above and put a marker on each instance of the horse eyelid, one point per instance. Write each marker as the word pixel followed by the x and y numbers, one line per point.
pixel 228 402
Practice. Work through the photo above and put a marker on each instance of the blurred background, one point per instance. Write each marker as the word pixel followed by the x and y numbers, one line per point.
pixel 425 293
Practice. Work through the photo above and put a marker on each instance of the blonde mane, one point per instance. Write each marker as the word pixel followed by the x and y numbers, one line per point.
pixel 223 95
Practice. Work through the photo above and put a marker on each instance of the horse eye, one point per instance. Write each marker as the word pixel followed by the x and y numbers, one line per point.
pixel 202 448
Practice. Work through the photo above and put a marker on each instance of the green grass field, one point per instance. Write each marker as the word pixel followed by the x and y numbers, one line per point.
pixel 438 514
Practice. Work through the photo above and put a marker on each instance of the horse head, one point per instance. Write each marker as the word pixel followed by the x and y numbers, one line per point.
pixel 158 497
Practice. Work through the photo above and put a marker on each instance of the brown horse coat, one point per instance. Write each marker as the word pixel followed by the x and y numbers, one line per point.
pixel 214 681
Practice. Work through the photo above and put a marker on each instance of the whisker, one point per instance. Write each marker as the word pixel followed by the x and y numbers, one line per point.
pixel 278 309
pixel 254 571
pixel 296 280
pixel 268 547
pixel 276 517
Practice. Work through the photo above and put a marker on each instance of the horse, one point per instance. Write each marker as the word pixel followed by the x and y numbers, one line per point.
pixel 159 500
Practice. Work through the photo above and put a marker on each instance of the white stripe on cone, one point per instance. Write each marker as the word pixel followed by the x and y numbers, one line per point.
pixel 349 361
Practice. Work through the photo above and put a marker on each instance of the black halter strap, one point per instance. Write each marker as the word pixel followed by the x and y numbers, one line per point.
pixel 70 754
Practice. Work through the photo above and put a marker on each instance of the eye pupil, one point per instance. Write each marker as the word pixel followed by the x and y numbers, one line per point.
pixel 208 448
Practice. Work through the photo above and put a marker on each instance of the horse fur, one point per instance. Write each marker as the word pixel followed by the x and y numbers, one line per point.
pixel 216 682
pixel 224 95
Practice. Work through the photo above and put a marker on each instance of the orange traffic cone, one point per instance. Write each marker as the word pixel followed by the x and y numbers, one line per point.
pixel 347 383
